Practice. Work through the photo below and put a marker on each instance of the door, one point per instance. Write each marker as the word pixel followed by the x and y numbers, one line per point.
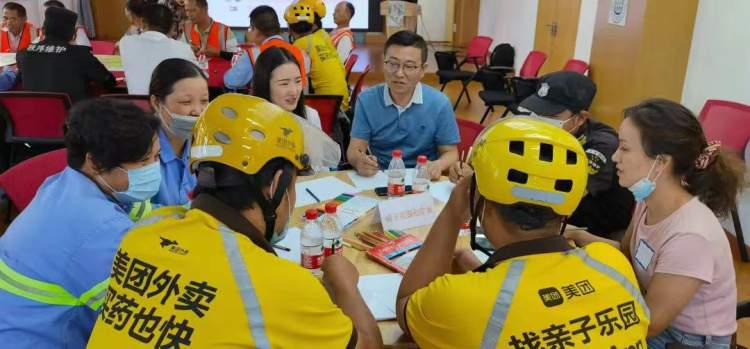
pixel 465 21
pixel 109 19
pixel 556 32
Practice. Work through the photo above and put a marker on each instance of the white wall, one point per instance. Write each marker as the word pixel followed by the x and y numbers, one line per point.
pixel 510 21
pixel 586 23
pixel 514 22
pixel 718 67
pixel 434 24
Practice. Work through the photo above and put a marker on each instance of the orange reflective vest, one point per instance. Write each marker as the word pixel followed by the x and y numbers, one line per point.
pixel 340 34
pixel 217 36
pixel 23 43
pixel 254 52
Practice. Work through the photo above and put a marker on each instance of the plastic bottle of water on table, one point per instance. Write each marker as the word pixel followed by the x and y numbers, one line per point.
pixel 331 231
pixel 311 243
pixel 396 175
pixel 421 181
pixel 203 64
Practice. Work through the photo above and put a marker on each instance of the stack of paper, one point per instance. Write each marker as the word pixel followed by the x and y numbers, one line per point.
pixel 380 179
pixel 379 292
pixel 322 189
pixel 353 209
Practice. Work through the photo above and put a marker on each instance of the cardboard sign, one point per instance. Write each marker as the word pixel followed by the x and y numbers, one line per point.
pixel 407 212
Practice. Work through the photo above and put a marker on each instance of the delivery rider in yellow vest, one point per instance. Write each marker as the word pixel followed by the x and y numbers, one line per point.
pixel 327 74
pixel 535 290
pixel 208 276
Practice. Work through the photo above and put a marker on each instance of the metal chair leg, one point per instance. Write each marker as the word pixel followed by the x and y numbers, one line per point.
pixel 486 112
pixel 740 236
pixel 443 87
pixel 458 100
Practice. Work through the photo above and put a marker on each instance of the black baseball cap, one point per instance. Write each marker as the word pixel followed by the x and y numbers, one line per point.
pixel 559 91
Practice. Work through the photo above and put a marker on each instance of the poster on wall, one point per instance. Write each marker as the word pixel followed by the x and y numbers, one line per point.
pixel 618 12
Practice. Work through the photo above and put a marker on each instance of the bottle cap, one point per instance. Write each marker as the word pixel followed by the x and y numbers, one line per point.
pixel 311 214
pixel 396 153
pixel 331 207
pixel 422 159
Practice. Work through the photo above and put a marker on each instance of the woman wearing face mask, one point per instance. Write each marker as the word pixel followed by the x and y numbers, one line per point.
pixel 179 94
pixel 278 80
pixel 55 257
pixel 678 249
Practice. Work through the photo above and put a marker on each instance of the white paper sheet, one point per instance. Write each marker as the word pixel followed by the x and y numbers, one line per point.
pixel 352 209
pixel 380 179
pixel 324 189
pixel 291 241
pixel 379 292
pixel 441 190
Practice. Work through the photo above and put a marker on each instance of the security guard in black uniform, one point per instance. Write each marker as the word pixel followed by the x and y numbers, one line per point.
pixel 56 65
pixel 563 98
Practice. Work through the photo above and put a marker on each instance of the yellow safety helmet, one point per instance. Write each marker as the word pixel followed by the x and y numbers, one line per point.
pixel 521 160
pixel 299 12
pixel 246 132
pixel 318 7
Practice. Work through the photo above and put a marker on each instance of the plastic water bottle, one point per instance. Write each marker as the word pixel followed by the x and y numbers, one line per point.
pixel 421 181
pixel 203 64
pixel 236 55
pixel 311 242
pixel 396 175
pixel 331 231
pixel 465 229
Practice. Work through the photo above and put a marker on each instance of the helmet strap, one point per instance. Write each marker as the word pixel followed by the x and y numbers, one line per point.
pixel 269 206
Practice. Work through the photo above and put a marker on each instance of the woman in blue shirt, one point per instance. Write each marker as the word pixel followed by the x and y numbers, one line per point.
pixel 179 94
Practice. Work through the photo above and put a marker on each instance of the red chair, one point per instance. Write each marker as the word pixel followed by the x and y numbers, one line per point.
pixel 449 69
pixel 533 63
pixel 33 118
pixel 515 90
pixel 358 88
pixel 21 181
pixel 468 130
pixel 728 122
pixel 349 65
pixel 101 47
pixel 142 101
pixel 328 109
pixel 577 66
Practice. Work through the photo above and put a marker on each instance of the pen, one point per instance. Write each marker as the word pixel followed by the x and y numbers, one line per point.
pixel 311 194
pixel 283 248
pixel 403 252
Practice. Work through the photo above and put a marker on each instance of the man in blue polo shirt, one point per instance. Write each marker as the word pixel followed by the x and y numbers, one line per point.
pixel 403 114
pixel 56 256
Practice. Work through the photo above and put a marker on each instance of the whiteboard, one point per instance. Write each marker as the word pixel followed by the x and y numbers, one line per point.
pixel 236 13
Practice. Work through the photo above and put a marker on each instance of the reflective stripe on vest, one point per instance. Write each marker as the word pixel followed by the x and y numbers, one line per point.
pixel 614 275
pixel 140 210
pixel 513 277
pixel 502 304
pixel 48 293
pixel 245 285
pixel 217 35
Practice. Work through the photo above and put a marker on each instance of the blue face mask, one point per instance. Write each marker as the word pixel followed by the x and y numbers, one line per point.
pixel 277 237
pixel 143 184
pixel 644 187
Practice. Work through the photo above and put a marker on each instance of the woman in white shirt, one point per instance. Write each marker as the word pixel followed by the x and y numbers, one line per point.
pixel 277 78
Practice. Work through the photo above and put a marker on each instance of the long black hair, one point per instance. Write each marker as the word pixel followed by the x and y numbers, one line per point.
pixel 267 62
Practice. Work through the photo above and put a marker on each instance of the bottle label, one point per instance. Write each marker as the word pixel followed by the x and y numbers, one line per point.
pixel 418 187
pixel 332 246
pixel 312 261
pixel 396 189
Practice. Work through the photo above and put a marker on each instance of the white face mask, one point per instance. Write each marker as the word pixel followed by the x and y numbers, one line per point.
pixel 182 125
pixel 551 121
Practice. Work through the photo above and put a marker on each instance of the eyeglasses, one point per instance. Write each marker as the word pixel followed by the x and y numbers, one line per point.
pixel 392 67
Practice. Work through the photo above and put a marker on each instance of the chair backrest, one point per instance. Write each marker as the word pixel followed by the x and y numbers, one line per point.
pixel 141 101
pixel 446 60
pixel 577 66
pixel 503 55
pixel 349 65
pixel 532 64
pixel 34 116
pixel 478 49
pixel 728 122
pixel 468 130
pixel 21 181
pixel 327 107
pixel 358 87
pixel 101 47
